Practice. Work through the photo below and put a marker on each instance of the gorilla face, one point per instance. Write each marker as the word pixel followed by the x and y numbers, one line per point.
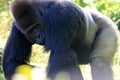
pixel 35 34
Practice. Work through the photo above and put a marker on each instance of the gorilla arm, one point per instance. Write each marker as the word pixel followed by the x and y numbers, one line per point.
pixel 16 52
pixel 104 47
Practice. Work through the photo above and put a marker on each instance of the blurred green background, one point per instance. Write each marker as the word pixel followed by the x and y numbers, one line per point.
pixel 110 8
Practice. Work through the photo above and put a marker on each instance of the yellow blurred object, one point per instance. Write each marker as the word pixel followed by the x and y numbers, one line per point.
pixel 62 76
pixel 25 71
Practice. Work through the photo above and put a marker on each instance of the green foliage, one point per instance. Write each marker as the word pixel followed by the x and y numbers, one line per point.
pixel 5 22
pixel 4 7
pixel 111 9
pixel 107 7
pixel 1 72
pixel 80 2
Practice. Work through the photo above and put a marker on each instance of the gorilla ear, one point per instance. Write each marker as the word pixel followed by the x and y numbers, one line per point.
pixel 21 7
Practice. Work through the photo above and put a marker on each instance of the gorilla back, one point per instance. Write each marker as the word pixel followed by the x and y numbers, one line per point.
pixel 72 34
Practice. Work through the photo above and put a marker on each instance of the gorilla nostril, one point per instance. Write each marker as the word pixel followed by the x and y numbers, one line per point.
pixel 38 36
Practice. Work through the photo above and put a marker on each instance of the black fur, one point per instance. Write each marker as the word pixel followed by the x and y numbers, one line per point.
pixel 71 34
pixel 15 55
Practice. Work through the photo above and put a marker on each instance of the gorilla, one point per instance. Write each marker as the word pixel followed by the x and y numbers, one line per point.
pixel 72 34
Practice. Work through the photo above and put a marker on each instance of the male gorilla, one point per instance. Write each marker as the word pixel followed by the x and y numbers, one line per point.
pixel 73 35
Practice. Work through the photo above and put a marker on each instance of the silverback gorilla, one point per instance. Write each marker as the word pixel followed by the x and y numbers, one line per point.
pixel 72 34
